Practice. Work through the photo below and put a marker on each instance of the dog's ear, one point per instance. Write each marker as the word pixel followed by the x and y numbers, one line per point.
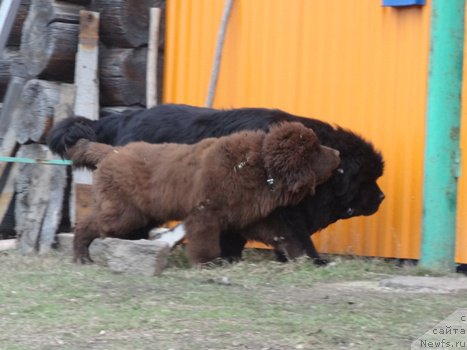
pixel 301 182
pixel 287 146
pixel 287 151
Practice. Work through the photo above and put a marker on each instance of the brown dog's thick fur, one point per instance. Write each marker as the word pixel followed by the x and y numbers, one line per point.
pixel 214 185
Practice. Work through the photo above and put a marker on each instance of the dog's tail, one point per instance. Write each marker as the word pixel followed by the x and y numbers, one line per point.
pixel 67 132
pixel 88 154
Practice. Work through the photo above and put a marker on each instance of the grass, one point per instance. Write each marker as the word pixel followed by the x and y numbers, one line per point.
pixel 49 303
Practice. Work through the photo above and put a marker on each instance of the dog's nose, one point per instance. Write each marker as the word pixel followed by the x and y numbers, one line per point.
pixel 381 196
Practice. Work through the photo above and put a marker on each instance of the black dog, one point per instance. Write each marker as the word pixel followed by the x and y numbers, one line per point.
pixel 351 191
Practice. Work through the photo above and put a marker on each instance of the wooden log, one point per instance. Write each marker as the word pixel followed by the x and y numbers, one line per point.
pixel 9 57
pixel 125 23
pixel 79 2
pixel 33 187
pixel 34 115
pixel 15 35
pixel 123 76
pixel 49 39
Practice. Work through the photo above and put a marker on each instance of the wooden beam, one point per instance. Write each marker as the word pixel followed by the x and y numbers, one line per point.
pixel 153 48
pixel 58 179
pixel 86 102
pixel 86 77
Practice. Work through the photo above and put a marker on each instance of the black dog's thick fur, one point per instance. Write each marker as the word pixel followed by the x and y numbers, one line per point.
pixel 351 191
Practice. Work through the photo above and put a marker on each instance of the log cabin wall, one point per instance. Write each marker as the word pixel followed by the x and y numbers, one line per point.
pixel 36 82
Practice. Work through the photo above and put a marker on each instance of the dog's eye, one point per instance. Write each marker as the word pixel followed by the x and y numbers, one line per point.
pixel 340 170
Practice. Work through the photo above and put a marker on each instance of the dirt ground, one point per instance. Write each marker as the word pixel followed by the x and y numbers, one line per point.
pixel 49 303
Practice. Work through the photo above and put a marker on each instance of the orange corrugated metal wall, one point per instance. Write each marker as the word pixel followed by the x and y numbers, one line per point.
pixel 353 63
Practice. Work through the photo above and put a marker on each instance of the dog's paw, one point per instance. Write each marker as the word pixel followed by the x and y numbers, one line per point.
pixel 320 262
pixel 83 260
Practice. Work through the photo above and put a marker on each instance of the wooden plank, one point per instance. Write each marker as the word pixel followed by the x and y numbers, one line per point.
pixel 86 100
pixel 53 213
pixel 86 77
pixel 40 191
pixel 83 200
pixel 58 179
pixel 8 144
pixel 8 10
pixel 153 48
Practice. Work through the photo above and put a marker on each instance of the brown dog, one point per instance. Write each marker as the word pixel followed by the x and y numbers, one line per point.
pixel 214 185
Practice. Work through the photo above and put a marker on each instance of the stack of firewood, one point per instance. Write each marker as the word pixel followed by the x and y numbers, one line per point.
pixel 37 86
